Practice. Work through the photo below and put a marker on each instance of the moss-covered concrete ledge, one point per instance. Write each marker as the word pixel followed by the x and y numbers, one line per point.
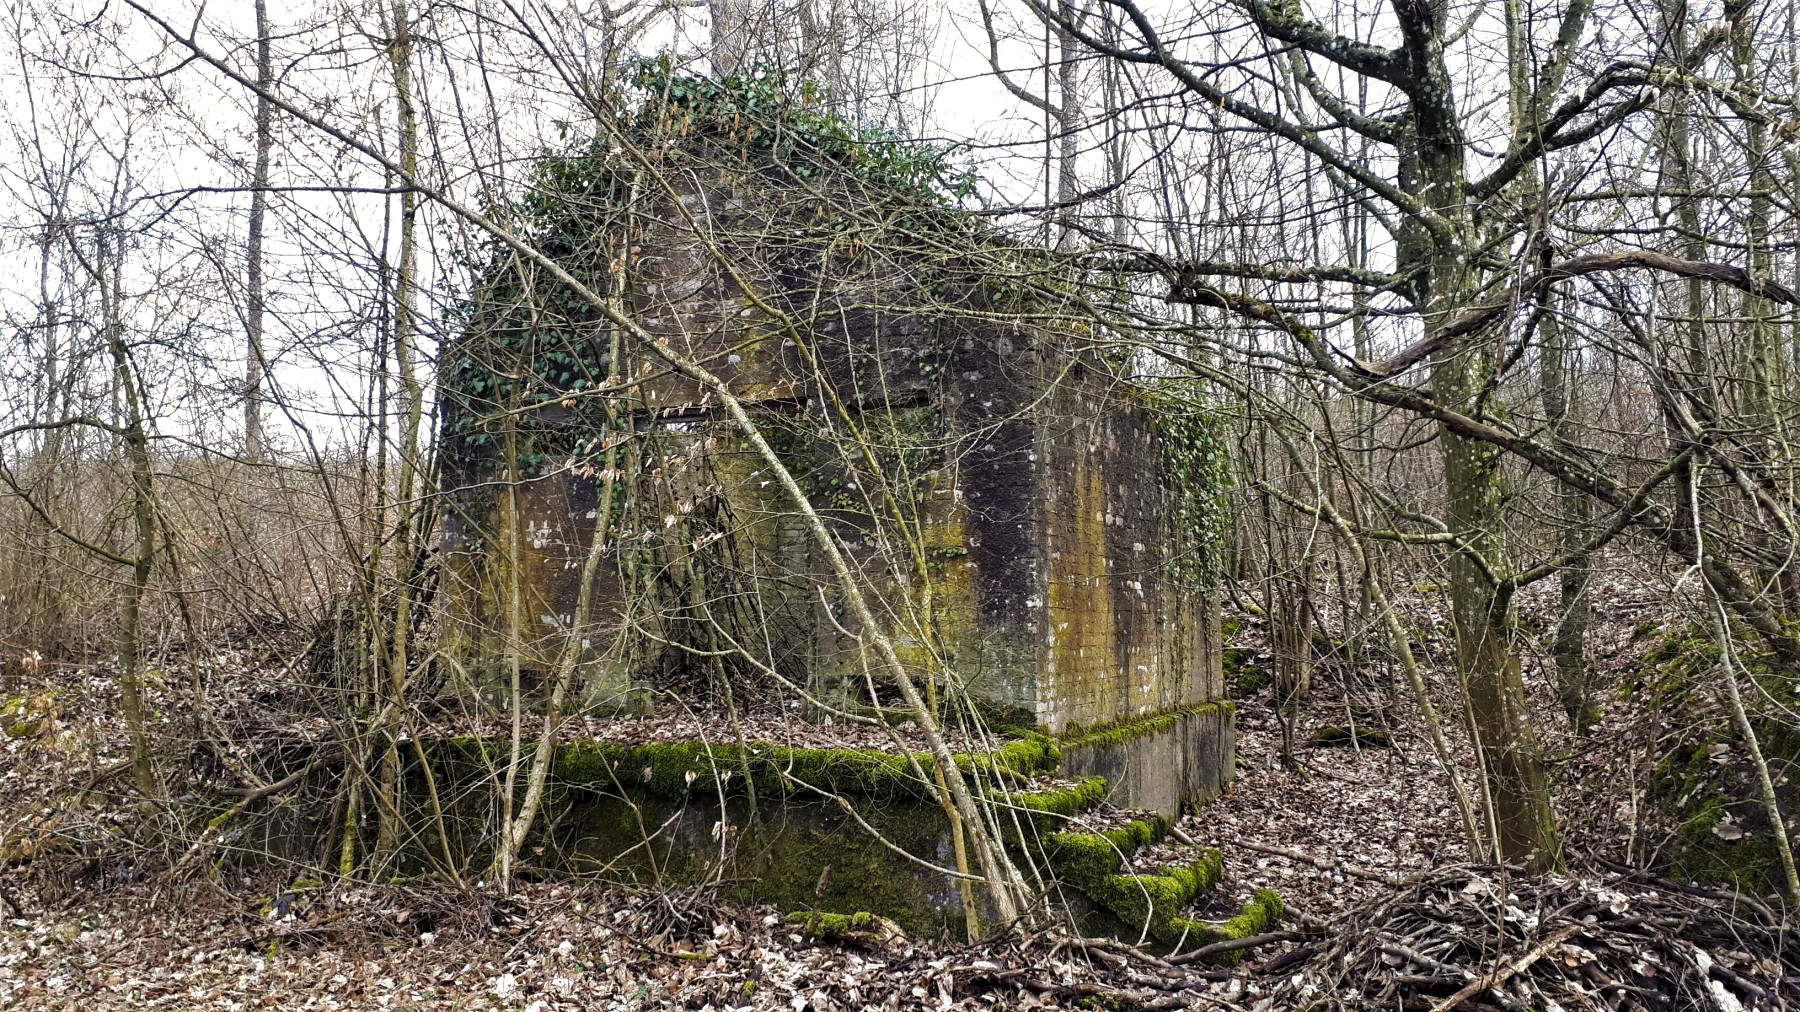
pixel 1164 762
pixel 652 812
pixel 1703 780
pixel 1128 905
pixel 677 769
pixel 1261 914
pixel 1087 863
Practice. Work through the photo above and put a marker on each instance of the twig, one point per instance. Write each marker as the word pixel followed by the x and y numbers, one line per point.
pixel 1318 862
pixel 1113 945
pixel 1412 956
pixel 1500 976
pixel 1237 945
pixel 250 794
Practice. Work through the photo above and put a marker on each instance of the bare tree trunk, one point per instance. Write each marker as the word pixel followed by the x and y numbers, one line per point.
pixel 1432 162
pixel 255 360
pixel 108 275
pixel 406 558
pixel 1487 661
pixel 1068 123
pixel 1765 388
pixel 1569 650
pixel 731 35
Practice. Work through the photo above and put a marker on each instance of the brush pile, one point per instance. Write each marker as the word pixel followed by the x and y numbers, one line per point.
pixel 1482 938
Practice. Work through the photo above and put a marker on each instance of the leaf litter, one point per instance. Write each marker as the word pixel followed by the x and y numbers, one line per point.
pixel 1387 910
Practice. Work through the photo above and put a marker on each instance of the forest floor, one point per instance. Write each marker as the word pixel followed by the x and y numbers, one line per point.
pixel 1354 838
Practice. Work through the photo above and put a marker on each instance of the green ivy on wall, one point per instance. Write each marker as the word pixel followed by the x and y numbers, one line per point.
pixel 777 124
pixel 532 351
pixel 1196 470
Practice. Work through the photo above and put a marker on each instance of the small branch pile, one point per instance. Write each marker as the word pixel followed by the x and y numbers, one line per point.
pixel 1056 967
pixel 1485 937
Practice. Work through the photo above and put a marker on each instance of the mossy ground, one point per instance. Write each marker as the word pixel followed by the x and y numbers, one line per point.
pixel 1703 780
pixel 1243 677
pixel 27 716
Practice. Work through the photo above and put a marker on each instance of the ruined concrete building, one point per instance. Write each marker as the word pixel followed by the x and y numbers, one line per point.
pixel 1008 497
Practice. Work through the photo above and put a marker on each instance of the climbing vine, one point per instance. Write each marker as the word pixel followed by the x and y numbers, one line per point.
pixel 533 352
pixel 776 124
pixel 1196 470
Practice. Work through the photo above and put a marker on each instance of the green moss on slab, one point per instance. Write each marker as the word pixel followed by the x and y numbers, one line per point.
pixel 832 926
pixel 1703 780
pixel 1145 902
pixel 1085 859
pixel 1264 911
pixel 1057 804
pixel 1033 754
pixel 1152 902
pixel 1121 731
pixel 1347 737
pixel 674 769
pixel 786 867
pixel 1090 863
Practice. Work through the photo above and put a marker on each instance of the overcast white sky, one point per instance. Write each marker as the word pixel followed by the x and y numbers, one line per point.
pixel 137 149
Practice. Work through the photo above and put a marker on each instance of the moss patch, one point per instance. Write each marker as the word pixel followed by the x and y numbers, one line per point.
pixel 1712 810
pixel 1121 731
pixel 1704 780
pixel 832 926
pixel 1243 678
pixel 1057 804
pixel 1264 911
pixel 1151 903
pixel 673 770
pixel 28 716
pixel 1085 859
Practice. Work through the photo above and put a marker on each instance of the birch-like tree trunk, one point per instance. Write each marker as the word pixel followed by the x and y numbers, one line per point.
pixel 255 357
pixel 402 298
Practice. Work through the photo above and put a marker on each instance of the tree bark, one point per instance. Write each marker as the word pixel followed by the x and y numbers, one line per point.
pixel 255 361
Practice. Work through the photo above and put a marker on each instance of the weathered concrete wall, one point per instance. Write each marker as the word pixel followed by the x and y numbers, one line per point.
pixel 1123 637
pixel 1039 574
pixel 1168 765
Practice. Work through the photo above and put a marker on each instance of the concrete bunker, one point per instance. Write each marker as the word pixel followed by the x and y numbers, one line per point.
pixel 942 396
